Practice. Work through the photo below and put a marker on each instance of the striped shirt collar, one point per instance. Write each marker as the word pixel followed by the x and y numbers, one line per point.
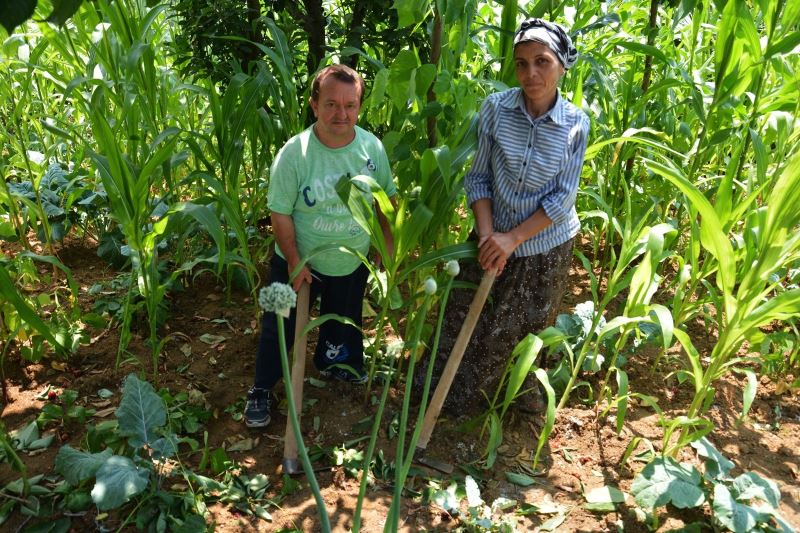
pixel 516 99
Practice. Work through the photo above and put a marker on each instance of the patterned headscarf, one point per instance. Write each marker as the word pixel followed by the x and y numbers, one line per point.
pixel 553 35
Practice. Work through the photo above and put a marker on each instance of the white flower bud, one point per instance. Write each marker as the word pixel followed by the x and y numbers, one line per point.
pixel 430 286
pixel 452 268
pixel 685 274
pixel 278 298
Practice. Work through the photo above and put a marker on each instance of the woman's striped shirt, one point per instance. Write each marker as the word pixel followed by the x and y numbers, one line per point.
pixel 523 164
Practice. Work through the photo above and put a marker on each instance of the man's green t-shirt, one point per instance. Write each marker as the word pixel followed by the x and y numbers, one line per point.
pixel 302 185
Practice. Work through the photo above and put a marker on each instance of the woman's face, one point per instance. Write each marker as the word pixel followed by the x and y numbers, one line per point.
pixel 538 71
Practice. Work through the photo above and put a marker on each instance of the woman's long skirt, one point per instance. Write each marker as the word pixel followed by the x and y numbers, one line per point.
pixel 525 299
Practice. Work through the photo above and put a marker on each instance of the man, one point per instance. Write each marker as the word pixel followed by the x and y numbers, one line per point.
pixel 306 214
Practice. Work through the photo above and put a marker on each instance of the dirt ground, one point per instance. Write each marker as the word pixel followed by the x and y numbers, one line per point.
pixel 583 452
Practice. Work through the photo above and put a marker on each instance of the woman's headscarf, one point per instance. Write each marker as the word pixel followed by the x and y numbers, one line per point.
pixel 553 35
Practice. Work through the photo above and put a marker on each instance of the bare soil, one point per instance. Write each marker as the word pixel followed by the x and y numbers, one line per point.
pixel 584 451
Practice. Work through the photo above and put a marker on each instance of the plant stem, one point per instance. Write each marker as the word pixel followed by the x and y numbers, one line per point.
pixel 325 524
pixel 582 355
pixel 402 466
pixel 428 377
pixel 362 490
pixel 376 341
pixel 612 365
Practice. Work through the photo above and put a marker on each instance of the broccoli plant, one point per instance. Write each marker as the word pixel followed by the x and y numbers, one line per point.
pixel 745 503
pixel 140 470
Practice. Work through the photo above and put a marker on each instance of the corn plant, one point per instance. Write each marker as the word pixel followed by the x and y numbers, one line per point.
pixel 27 143
pixel 637 240
pixel 129 191
pixel 239 119
pixel 520 364
pixel 743 277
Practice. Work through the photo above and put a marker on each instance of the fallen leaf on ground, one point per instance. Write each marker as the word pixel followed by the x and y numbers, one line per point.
pixel 244 445
pixel 553 523
pixel 605 494
pixel 211 339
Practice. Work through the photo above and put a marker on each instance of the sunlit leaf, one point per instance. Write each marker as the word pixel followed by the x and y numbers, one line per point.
pixel 473 492
pixel 552 523
pixel 605 494
pixel 665 481
pixel 409 11
pixel 76 465
pixel 737 517
pixel 117 480
pixel 750 485
pixel 140 412
pixel 717 465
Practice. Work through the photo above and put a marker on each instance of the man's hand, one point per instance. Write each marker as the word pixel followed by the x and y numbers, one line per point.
pixel 303 276
pixel 283 225
pixel 495 249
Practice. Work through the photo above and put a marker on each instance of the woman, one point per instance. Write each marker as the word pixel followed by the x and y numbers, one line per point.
pixel 521 189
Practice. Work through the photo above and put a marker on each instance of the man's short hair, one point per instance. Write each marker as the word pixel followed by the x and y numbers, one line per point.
pixel 342 73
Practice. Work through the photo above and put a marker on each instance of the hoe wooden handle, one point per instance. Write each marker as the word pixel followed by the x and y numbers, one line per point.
pixel 298 369
pixel 450 369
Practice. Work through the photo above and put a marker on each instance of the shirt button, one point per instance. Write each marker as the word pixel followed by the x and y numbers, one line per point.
pixel 524 163
pixel 529 145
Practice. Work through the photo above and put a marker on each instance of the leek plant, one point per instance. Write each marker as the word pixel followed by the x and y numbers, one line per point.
pixel 280 298
pixel 404 454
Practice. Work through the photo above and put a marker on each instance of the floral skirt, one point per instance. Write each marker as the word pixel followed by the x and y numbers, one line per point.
pixel 524 299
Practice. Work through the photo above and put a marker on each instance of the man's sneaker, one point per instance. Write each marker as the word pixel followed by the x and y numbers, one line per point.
pixel 344 373
pixel 256 412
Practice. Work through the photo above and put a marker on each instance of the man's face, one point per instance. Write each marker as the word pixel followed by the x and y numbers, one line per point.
pixel 336 110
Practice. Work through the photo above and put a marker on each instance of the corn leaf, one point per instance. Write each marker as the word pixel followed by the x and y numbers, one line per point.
pixel 10 293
